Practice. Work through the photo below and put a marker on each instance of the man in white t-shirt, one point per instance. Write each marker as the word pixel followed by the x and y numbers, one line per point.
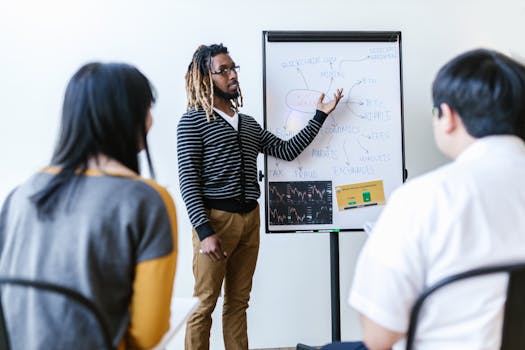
pixel 466 214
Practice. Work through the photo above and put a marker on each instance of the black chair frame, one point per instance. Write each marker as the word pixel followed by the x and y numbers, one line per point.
pixel 513 335
pixel 50 287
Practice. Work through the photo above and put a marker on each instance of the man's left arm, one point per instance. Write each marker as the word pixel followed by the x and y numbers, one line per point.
pixel 390 272
pixel 377 337
pixel 290 149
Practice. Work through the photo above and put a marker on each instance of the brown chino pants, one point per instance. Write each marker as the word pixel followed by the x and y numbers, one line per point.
pixel 240 239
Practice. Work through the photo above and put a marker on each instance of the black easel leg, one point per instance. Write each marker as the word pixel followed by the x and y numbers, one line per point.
pixel 335 290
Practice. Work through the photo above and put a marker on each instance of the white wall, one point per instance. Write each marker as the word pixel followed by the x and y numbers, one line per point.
pixel 43 42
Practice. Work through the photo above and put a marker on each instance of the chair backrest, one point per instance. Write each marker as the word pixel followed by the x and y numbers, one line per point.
pixel 50 287
pixel 513 336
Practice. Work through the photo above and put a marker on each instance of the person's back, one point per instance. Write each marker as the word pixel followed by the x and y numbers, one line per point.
pixel 464 215
pixel 461 216
pixel 92 224
pixel 92 245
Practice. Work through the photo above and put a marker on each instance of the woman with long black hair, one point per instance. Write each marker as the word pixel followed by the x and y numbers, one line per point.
pixel 91 223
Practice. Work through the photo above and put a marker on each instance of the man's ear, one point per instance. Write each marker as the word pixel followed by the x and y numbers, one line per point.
pixel 448 119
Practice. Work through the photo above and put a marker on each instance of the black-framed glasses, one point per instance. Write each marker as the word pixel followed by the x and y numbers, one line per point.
pixel 226 71
pixel 436 111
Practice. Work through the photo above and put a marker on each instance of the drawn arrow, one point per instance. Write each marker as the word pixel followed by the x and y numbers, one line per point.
pixel 355 102
pixel 355 60
pixel 355 84
pixel 346 154
pixel 348 101
pixel 360 145
pixel 330 86
pixel 304 79
pixel 331 78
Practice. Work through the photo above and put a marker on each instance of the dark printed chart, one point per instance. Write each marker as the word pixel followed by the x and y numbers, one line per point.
pixel 300 202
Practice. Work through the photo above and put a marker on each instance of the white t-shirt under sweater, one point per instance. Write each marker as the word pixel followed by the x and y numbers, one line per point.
pixel 233 120
pixel 466 214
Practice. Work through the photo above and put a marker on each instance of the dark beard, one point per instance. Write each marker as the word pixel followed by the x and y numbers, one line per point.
pixel 225 95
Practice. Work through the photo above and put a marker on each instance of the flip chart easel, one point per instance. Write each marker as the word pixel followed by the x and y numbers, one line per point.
pixel 343 179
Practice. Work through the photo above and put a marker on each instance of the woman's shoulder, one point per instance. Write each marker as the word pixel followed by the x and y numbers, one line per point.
pixel 140 188
pixel 153 188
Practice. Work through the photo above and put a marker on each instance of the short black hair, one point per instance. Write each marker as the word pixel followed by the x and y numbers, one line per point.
pixel 487 89
pixel 104 112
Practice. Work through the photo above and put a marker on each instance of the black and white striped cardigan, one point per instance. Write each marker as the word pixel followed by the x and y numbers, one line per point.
pixel 218 162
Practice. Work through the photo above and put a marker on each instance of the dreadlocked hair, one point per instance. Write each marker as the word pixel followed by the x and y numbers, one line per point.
pixel 199 82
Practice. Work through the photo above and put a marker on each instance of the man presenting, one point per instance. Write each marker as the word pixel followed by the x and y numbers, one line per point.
pixel 217 154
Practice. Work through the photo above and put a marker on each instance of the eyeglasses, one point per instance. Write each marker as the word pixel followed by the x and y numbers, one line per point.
pixel 436 111
pixel 227 71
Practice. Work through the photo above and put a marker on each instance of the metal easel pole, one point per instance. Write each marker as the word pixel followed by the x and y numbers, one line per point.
pixel 335 287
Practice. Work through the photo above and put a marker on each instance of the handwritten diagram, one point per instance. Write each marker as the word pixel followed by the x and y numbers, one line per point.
pixel 360 141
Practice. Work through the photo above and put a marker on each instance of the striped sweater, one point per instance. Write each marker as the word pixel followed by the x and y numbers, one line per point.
pixel 217 162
